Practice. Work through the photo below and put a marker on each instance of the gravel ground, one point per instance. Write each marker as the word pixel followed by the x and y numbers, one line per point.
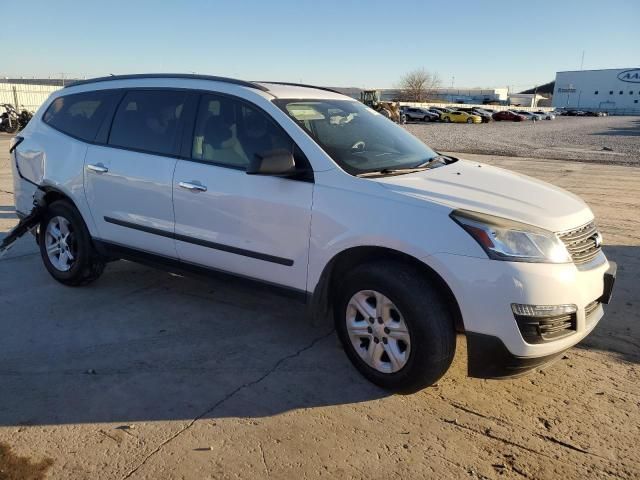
pixel 614 140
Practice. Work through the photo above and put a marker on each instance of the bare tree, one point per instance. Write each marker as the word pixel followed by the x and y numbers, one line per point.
pixel 417 85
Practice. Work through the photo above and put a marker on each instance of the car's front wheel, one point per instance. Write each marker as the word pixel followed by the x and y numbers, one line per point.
pixel 66 247
pixel 395 326
pixel 469 120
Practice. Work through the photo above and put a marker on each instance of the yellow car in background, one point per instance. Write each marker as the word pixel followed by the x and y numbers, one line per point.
pixel 458 116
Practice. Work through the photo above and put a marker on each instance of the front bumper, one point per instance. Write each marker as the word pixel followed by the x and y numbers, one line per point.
pixel 485 290
pixel 487 356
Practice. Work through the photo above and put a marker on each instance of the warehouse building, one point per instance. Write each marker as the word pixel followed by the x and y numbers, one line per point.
pixel 615 90
pixel 457 95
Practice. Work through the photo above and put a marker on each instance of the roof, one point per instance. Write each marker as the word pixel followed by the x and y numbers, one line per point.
pixel 276 89
pixel 597 70
pixel 296 90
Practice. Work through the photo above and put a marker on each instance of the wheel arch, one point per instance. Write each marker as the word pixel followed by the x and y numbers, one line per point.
pixel 48 193
pixel 321 300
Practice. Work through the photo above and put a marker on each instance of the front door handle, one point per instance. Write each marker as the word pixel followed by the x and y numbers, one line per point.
pixel 194 187
pixel 99 168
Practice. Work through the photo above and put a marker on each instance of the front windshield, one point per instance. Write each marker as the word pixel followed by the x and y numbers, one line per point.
pixel 357 138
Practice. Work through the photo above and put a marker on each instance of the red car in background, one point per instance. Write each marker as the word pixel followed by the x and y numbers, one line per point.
pixel 508 116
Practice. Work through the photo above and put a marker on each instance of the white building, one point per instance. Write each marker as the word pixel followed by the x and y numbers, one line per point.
pixel 615 90
pixel 456 95
pixel 525 99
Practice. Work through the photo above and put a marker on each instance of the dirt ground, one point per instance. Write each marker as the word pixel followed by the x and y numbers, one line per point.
pixel 146 375
pixel 607 140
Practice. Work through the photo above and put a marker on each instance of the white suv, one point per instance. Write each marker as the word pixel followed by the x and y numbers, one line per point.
pixel 307 190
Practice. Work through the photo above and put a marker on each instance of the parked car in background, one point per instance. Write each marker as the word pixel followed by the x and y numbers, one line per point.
pixel 546 115
pixel 595 114
pixel 528 115
pixel 508 116
pixel 307 191
pixel 422 114
pixel 576 113
pixel 486 117
pixel 458 116
pixel 484 110
pixel 441 110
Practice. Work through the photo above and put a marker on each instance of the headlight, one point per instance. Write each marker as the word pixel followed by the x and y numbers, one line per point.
pixel 505 239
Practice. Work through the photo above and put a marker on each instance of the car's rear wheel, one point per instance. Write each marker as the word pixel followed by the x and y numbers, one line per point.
pixel 395 326
pixel 425 118
pixel 447 120
pixel 66 247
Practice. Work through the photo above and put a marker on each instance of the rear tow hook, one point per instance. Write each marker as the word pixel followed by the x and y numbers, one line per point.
pixel 26 224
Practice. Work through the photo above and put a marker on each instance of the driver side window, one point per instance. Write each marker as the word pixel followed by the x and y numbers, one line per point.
pixel 230 133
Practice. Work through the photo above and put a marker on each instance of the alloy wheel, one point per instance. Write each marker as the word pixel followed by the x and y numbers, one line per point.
pixel 60 244
pixel 378 331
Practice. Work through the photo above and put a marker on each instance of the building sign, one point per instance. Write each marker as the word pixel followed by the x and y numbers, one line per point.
pixel 570 89
pixel 632 76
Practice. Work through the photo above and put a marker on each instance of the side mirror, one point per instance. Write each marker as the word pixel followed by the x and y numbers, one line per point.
pixel 279 163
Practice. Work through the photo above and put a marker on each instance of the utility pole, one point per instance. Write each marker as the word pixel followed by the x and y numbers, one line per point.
pixel 582 61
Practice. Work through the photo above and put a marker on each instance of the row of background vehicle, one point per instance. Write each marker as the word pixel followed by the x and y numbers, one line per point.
pixel 484 115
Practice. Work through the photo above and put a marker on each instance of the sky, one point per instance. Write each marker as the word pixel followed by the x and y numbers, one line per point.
pixel 516 44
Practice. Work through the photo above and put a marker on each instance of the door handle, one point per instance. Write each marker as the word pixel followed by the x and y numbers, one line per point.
pixel 194 187
pixel 99 168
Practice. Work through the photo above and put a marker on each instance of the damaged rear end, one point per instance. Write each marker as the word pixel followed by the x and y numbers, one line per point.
pixel 28 197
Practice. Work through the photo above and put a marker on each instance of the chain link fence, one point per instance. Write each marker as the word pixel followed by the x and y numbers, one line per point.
pixel 25 96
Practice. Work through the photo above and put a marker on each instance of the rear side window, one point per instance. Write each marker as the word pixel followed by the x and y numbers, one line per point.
pixel 79 115
pixel 148 120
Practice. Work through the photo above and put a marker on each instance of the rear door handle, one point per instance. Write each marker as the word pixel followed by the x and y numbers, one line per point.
pixel 194 187
pixel 99 168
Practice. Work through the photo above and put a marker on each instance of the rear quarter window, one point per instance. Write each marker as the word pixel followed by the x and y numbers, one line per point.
pixel 79 115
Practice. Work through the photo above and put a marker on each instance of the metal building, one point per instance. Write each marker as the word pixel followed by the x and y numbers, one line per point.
pixel 614 90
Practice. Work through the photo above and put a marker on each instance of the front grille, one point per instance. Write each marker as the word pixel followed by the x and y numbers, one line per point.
pixel 590 309
pixel 582 243
pixel 546 329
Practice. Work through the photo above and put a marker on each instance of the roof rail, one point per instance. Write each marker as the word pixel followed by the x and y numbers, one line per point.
pixel 170 75
pixel 303 85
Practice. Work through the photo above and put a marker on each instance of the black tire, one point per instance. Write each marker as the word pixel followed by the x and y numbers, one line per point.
pixel 425 118
pixel 88 265
pixel 425 312
pixel 469 120
pixel 447 120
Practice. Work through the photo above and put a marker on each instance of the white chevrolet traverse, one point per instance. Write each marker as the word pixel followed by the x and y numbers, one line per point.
pixel 307 190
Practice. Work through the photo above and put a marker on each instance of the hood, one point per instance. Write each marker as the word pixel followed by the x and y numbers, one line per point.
pixel 482 188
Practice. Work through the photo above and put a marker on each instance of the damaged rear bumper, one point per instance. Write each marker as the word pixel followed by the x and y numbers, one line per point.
pixel 27 222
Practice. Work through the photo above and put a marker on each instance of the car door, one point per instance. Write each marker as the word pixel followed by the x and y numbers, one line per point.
pixel 128 180
pixel 255 226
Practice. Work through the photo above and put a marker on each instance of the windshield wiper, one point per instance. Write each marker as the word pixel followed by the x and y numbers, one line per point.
pixel 433 162
pixel 438 158
pixel 391 171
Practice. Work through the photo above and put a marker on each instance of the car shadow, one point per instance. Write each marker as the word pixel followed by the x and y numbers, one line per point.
pixel 632 131
pixel 619 330
pixel 144 345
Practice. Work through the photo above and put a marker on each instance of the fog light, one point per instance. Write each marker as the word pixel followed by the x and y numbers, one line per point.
pixel 542 310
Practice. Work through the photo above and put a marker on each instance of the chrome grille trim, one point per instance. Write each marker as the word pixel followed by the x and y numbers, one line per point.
pixel 581 243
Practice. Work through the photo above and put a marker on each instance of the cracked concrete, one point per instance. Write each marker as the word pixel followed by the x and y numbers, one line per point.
pixel 198 380
pixel 228 397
